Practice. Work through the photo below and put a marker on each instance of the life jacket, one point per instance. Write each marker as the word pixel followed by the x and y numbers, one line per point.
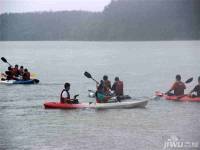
pixel 21 72
pixel 99 97
pixel 119 88
pixel 65 99
pixel 107 86
pixel 26 76
pixel 178 88
pixel 15 72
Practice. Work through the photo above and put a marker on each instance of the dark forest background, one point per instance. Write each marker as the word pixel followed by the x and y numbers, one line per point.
pixel 121 20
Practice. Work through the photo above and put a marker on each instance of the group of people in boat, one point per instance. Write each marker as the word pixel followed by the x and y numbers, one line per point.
pixel 103 93
pixel 179 87
pixel 16 73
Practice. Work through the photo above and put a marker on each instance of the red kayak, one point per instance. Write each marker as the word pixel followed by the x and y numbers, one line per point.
pixel 56 105
pixel 116 105
pixel 183 98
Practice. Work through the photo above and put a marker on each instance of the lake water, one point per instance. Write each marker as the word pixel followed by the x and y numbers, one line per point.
pixel 143 66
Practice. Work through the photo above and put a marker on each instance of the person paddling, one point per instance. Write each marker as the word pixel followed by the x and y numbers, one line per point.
pixel 118 87
pixel 21 71
pixel 106 85
pixel 26 75
pixel 9 74
pixel 196 89
pixel 100 93
pixel 66 98
pixel 178 87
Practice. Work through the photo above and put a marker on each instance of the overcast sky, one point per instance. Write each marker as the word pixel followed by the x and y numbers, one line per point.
pixel 53 5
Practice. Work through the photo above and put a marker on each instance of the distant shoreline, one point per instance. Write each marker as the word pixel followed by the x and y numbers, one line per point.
pixel 121 20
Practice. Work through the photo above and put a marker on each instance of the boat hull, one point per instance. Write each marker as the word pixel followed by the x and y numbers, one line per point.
pixel 32 81
pixel 117 105
pixel 183 98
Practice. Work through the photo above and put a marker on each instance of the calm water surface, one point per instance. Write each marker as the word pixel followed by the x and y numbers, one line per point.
pixel 143 66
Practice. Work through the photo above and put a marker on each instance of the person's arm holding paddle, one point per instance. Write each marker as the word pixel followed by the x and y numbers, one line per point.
pixel 171 89
pixel 192 91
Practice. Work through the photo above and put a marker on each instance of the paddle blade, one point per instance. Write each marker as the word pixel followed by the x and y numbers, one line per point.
pixel 189 80
pixel 87 74
pixel 3 59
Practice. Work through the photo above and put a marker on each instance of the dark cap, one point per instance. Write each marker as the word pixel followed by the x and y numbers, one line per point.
pixel 66 85
pixel 178 77
pixel 9 68
pixel 105 77
pixel 116 78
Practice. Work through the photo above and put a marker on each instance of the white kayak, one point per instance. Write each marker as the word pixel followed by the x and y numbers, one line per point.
pixel 121 105
pixel 91 94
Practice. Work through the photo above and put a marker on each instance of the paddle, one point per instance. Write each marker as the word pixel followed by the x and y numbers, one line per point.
pixel 88 75
pixel 5 61
pixel 189 80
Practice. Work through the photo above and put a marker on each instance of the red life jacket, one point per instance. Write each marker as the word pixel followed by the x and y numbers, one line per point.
pixel 9 75
pixel 119 88
pixel 178 88
pixel 15 72
pixel 21 72
pixel 26 76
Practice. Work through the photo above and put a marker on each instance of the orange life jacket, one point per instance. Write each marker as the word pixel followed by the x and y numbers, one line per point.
pixel 178 88
pixel 107 86
pixel 15 72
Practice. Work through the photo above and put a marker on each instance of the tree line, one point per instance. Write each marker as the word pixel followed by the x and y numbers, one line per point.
pixel 121 20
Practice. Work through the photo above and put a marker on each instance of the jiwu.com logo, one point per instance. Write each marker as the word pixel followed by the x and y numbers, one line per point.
pixel 174 142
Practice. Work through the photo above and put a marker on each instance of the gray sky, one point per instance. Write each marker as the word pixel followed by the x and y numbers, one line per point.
pixel 53 5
